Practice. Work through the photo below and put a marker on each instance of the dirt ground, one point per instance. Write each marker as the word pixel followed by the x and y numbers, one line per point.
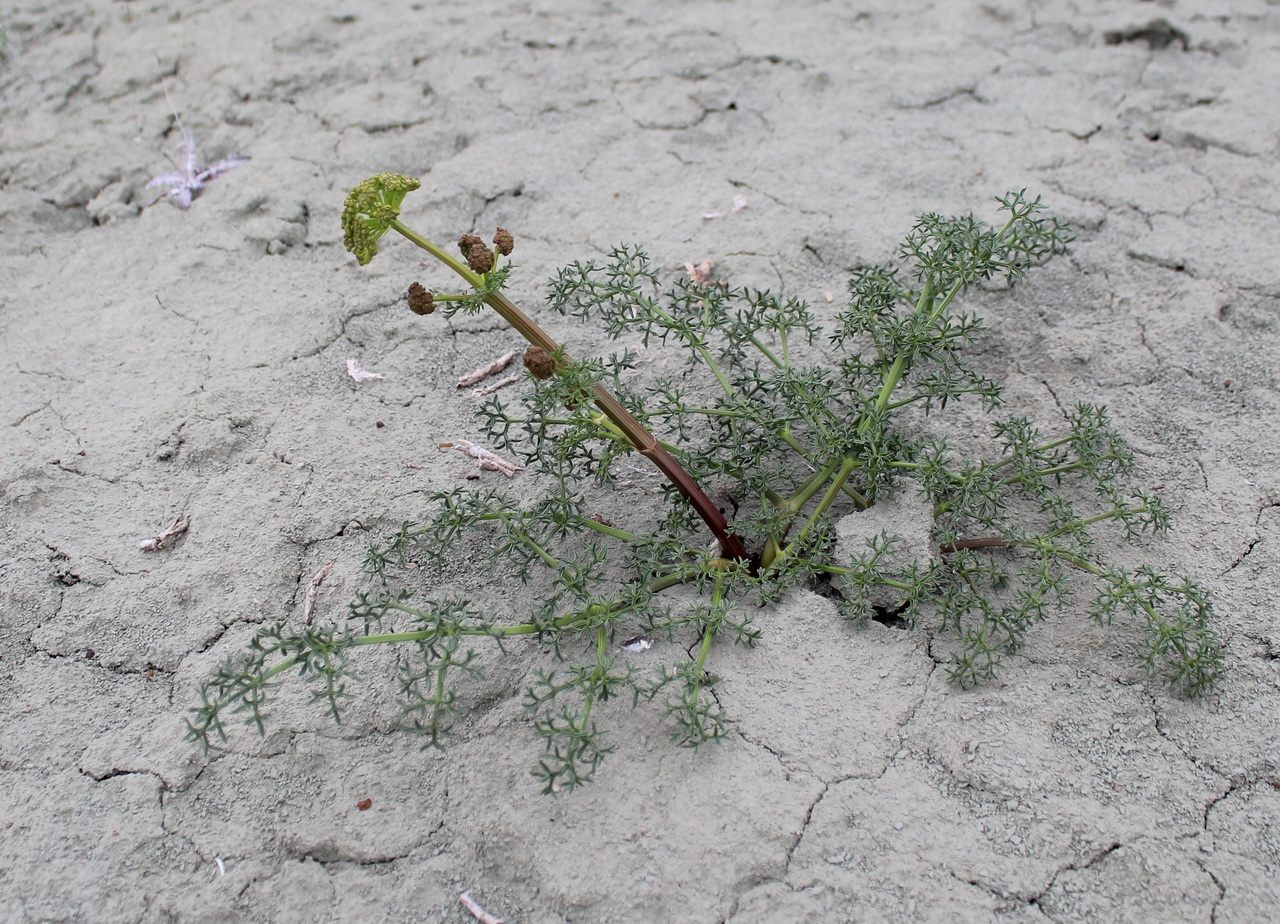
pixel 160 363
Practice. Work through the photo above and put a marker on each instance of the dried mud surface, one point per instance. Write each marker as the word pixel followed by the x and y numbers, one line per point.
pixel 161 363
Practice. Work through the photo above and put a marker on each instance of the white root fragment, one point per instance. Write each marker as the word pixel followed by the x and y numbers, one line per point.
pixel 484 458
pixel 162 538
pixel 309 601
pixel 222 867
pixel 494 386
pixel 739 203
pixel 477 912
pixel 483 372
pixel 360 375
pixel 700 275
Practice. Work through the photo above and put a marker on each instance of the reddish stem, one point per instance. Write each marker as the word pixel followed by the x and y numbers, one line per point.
pixel 646 443
pixel 991 542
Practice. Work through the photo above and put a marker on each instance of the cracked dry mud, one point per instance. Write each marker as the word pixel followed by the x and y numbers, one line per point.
pixel 160 363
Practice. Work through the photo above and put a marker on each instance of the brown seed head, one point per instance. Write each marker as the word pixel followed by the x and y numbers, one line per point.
pixel 480 259
pixel 479 256
pixel 420 300
pixel 504 242
pixel 540 363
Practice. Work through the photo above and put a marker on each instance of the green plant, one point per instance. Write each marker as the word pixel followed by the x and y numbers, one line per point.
pixel 795 442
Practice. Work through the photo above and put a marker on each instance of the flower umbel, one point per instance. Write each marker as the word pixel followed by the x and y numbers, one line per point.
pixel 369 211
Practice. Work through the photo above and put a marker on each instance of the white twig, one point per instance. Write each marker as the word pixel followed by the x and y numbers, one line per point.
pixel 309 601
pixel 494 386
pixel 484 458
pixel 360 375
pixel 483 372
pixel 739 203
pixel 161 539
pixel 477 912
pixel 222 867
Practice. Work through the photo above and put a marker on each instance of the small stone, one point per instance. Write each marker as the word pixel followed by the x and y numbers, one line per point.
pixel 901 512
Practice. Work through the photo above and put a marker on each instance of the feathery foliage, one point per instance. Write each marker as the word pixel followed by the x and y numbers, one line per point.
pixel 1014 532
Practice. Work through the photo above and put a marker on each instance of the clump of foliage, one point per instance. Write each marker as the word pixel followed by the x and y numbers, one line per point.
pixel 796 441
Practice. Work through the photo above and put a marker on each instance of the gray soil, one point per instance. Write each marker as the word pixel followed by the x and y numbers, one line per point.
pixel 160 363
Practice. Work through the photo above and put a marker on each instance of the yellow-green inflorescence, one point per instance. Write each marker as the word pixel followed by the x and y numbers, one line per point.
pixel 369 211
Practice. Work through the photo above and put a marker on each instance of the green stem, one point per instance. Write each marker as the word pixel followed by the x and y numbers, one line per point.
pixel 899 366
pixel 1007 460
pixel 1089 521
pixel 719 412
pixel 475 280
pixel 850 572
pixel 837 482
pixel 786 437
pixel 789 507
pixel 533 545
pixel 1117 580
pixel 767 353
pixel 1045 472
pixel 809 488
pixel 607 529
pixel 1009 480
pixel 708 633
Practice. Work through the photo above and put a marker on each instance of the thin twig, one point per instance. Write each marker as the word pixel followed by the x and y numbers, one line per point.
pixel 161 539
pixel 494 386
pixel 483 372
pixel 309 602
pixel 477 912
pixel 484 458
pixel 739 203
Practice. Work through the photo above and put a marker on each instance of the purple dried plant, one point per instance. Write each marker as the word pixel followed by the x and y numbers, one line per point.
pixel 187 181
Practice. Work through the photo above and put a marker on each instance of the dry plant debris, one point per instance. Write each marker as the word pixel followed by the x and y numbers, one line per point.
pixel 495 386
pixel 484 458
pixel 488 369
pixel 165 536
pixel 739 203
pixel 359 374
pixel 185 183
pixel 477 912
pixel 700 274
pixel 309 602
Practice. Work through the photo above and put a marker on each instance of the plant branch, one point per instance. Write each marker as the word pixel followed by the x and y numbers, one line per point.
pixel 641 439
